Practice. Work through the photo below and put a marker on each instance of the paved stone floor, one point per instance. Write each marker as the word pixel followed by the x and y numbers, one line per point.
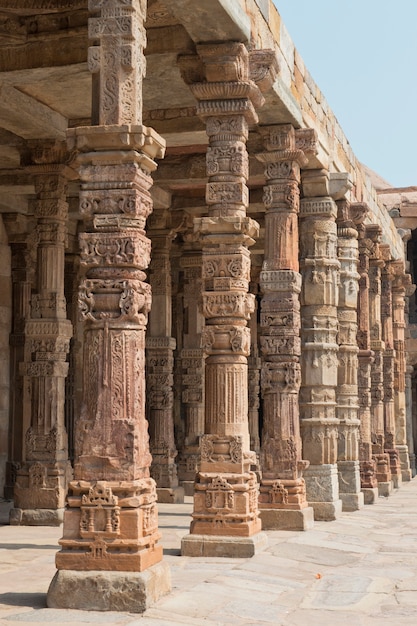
pixel 360 569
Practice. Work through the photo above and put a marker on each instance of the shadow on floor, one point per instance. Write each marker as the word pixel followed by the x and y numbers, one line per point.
pixel 33 600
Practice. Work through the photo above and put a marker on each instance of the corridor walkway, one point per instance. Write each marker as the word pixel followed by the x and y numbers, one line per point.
pixel 361 570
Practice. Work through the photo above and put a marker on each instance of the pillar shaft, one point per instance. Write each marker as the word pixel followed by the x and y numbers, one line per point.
pixel 111 522
pixel 319 299
pixel 365 358
pixel 225 500
pixel 192 364
pixel 376 263
pixel 400 288
pixel 160 348
pixel 347 379
pixel 388 366
pixel 42 481
pixel 282 483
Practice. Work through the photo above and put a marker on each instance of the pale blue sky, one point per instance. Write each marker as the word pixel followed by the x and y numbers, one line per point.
pixel 363 56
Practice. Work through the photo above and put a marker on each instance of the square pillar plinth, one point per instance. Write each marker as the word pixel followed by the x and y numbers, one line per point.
pixel 286 519
pixel 323 491
pixel 225 517
pixel 134 592
pixel 350 485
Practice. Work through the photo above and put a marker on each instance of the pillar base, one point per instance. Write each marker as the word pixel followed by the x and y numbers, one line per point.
pixel 188 486
pixel 352 501
pixel 385 489
pixel 36 517
pixel 405 462
pixel 286 519
pixel 223 546
pixel 109 591
pixel 397 480
pixel 174 495
pixel 412 465
pixel 350 485
pixel 322 488
pixel 370 495
pixel 326 511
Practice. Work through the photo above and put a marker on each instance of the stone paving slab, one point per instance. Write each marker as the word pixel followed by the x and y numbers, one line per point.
pixel 361 568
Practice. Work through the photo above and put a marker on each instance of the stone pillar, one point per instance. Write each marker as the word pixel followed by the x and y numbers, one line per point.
pixel 23 264
pixel 111 532
pixel 6 311
pixel 319 267
pixel 369 482
pixel 347 411
pixel 254 370
pixel 401 287
pixel 282 500
pixel 388 366
pixel 42 481
pixel 376 263
pixel 225 518
pixel 160 348
pixel 192 364
pixel 409 417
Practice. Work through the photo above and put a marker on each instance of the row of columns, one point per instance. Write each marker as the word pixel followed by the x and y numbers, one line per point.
pixel 315 433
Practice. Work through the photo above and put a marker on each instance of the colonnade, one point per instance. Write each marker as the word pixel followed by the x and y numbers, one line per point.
pixel 275 397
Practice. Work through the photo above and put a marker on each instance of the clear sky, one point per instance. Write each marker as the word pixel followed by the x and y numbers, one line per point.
pixel 363 56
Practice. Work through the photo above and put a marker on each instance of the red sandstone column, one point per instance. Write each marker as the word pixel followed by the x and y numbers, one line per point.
pixel 192 365
pixel 387 278
pixel 376 263
pixel 401 287
pixel 347 411
pixel 42 481
pixel 282 499
pixel 110 530
pixel 319 362
pixel 369 483
pixel 160 348
pixel 225 517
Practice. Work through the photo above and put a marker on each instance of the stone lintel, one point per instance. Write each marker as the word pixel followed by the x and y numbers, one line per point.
pixel 213 20
pixel 109 591
pixel 223 546
pixel 285 519
pixel 124 138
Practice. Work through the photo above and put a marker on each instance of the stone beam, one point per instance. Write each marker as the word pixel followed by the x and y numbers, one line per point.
pixel 212 20
pixel 28 118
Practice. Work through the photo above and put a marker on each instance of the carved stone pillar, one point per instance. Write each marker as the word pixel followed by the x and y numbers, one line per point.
pixel 225 517
pixel 409 417
pixel 319 267
pixel 23 264
pixel 282 499
pixel 369 482
pixel 160 348
pixel 42 480
pixel 388 366
pixel 254 370
pixel 401 287
pixel 192 364
pixel 376 263
pixel 347 411
pixel 111 525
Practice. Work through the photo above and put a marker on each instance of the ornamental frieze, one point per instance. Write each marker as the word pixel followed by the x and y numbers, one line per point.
pixel 104 249
pixel 239 305
pixel 114 299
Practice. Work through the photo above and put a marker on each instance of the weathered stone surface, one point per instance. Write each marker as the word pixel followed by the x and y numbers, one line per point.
pixel 109 591
pixel 233 547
